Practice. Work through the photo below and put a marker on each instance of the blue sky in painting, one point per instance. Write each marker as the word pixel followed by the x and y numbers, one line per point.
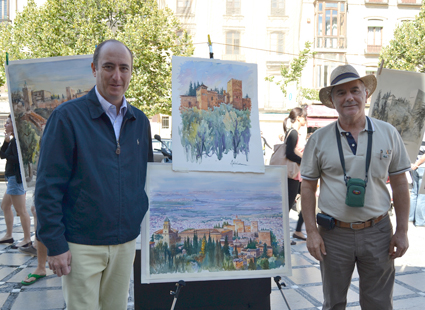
pixel 216 74
pixel 53 76
pixel 200 199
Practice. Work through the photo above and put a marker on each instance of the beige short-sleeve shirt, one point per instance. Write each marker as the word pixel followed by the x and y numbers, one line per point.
pixel 321 161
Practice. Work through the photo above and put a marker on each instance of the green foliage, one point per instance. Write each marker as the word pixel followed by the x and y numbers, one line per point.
pixel 309 93
pixel 406 51
pixel 63 28
pixel 293 72
pixel 215 132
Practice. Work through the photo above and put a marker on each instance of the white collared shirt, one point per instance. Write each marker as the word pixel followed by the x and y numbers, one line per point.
pixel 111 111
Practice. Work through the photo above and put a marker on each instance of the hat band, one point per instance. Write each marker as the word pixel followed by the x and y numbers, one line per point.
pixel 344 76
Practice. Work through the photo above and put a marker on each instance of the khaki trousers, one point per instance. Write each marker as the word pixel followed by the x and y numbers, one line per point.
pixel 99 277
pixel 368 249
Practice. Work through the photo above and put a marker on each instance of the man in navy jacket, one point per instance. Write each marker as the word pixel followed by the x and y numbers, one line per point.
pixel 90 196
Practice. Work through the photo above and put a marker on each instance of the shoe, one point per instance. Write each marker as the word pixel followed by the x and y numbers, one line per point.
pixel 298 237
pixel 30 275
pixel 21 246
pixel 7 241
pixel 28 250
pixel 293 242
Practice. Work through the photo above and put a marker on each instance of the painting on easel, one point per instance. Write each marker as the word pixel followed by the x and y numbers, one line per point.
pixel 215 116
pixel 212 226
pixel 399 99
pixel 36 87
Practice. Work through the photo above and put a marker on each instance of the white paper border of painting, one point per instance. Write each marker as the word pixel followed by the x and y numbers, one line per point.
pixel 147 278
pixel 402 84
pixel 255 164
pixel 12 114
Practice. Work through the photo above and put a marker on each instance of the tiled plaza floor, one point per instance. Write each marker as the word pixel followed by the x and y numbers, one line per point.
pixel 303 291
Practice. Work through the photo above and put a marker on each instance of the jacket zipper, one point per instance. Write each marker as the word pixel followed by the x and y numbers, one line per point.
pixel 118 150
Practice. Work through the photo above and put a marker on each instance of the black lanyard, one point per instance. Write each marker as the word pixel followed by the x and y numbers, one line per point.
pixel 369 149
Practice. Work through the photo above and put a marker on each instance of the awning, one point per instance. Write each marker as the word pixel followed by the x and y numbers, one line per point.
pixel 320 121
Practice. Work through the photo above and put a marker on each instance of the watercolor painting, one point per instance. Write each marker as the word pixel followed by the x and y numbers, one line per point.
pixel 215 225
pixel 215 116
pixel 36 88
pixel 399 99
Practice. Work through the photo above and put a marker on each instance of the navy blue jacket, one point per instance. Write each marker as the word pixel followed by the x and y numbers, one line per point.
pixel 90 187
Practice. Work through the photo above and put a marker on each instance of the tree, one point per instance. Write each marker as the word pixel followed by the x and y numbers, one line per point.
pixel 75 27
pixel 407 50
pixel 293 73
pixel 226 248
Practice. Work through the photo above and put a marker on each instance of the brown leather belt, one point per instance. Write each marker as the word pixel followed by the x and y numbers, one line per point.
pixel 360 225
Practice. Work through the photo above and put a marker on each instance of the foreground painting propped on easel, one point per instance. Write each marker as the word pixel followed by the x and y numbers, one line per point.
pixel 213 226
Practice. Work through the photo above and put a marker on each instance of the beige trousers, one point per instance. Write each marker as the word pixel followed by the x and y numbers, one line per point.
pixel 99 277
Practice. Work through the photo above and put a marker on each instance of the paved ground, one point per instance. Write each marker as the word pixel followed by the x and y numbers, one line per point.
pixel 303 289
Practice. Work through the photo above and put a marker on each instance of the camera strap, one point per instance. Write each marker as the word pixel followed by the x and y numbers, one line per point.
pixel 369 149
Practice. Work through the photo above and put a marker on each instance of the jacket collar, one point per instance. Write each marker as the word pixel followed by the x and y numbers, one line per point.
pixel 96 109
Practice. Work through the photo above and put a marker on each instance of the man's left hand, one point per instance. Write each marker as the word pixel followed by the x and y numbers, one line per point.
pixel 399 244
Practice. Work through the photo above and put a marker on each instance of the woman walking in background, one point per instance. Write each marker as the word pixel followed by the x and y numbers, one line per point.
pixel 15 193
pixel 294 148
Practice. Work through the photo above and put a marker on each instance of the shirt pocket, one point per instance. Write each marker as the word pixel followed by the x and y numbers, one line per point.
pixel 380 164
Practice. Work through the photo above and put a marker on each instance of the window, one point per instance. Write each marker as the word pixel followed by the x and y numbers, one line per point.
pixel 374 36
pixel 233 42
pixel 4 10
pixel 233 7
pixel 183 6
pixel 278 8
pixel 325 64
pixel 276 42
pixel 331 24
pixel 165 122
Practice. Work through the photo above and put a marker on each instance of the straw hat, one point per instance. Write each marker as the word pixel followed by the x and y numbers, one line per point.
pixel 345 74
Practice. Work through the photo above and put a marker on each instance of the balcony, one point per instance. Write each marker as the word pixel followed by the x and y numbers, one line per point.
pixel 373 49
pixel 409 2
pixel 385 2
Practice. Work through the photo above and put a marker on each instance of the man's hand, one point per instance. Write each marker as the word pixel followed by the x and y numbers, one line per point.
pixel 315 245
pixel 400 242
pixel 60 264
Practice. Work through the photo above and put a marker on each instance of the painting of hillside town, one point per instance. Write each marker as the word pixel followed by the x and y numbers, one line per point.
pixel 36 87
pixel 400 100
pixel 204 226
pixel 215 116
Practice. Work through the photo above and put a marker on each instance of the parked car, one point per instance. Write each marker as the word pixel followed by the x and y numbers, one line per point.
pixel 156 145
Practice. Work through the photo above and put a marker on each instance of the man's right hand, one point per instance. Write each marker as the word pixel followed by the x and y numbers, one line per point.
pixel 315 245
pixel 60 264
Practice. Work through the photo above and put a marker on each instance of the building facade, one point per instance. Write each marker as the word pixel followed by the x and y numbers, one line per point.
pixel 271 33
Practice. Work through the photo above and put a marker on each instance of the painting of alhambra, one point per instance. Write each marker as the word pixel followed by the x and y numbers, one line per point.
pixel 215 116
pixel 209 225
pixel 399 99
pixel 36 88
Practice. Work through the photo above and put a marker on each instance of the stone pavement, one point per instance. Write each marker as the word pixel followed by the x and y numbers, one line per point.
pixel 303 289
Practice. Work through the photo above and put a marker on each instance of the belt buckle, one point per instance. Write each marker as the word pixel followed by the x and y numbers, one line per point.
pixel 355 223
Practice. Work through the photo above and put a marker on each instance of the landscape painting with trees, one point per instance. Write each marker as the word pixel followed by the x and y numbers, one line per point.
pixel 215 116
pixel 399 99
pixel 36 88
pixel 210 225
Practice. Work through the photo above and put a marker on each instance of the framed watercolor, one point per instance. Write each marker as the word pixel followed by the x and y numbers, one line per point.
pixel 205 226
pixel 36 87
pixel 215 116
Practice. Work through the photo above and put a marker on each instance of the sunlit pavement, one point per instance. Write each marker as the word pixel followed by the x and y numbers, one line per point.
pixel 303 290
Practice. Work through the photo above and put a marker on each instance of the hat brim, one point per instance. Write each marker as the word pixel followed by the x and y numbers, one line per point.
pixel 368 80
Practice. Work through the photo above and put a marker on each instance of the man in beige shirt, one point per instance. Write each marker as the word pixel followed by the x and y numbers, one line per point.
pixel 362 235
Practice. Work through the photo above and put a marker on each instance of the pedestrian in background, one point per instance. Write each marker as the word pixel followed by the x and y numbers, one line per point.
pixel 294 148
pixel 417 201
pixel 15 193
